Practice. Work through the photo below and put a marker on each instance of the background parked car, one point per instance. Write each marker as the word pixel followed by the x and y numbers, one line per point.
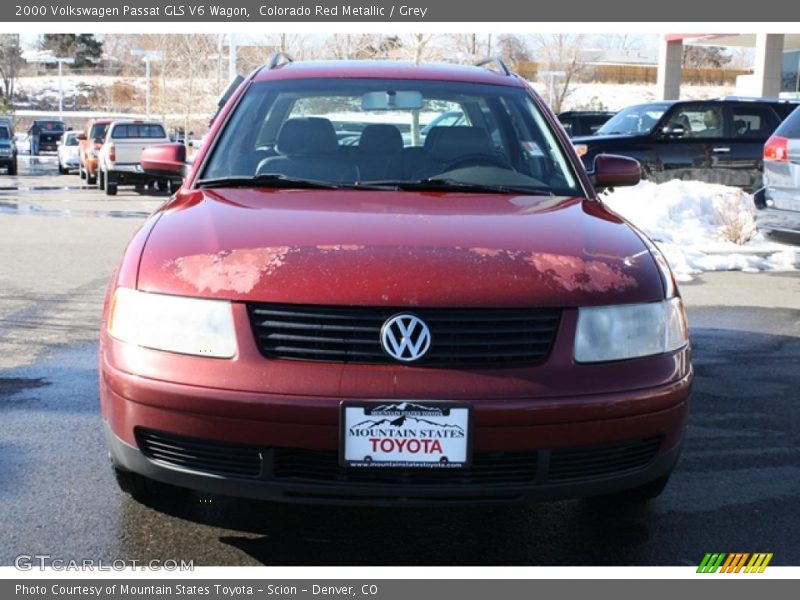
pixel 45 134
pixel 8 121
pixel 716 141
pixel 779 200
pixel 119 157
pixel 8 150
pixel 89 142
pixel 68 159
pixel 583 122
pixel 23 143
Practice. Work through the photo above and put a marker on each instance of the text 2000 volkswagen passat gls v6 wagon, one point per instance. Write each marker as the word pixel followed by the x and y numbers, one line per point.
pixel 332 309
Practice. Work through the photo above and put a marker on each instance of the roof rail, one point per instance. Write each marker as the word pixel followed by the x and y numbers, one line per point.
pixel 495 60
pixel 276 60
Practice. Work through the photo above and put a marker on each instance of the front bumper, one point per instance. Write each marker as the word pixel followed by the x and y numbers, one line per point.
pixel 309 486
pixel 621 440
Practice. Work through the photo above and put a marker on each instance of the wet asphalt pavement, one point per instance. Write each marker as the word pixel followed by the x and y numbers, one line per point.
pixel 737 487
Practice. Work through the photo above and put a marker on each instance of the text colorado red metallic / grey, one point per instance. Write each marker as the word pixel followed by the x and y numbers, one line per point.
pixel 343 10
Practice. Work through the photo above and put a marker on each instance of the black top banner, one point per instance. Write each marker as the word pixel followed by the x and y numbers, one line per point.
pixel 377 11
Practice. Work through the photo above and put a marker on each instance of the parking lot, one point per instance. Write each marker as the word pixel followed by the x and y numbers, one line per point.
pixel 736 488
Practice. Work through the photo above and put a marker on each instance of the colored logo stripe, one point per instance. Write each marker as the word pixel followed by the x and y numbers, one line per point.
pixel 734 562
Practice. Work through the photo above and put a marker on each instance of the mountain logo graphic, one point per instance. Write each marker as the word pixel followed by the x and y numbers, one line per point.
pixel 401 407
pixel 402 420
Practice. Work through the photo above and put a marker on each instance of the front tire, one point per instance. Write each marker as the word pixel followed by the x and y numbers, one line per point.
pixel 111 184
pixel 101 181
pixel 12 168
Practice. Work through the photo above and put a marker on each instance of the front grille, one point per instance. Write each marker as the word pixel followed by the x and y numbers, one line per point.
pixel 323 466
pixel 595 461
pixel 200 455
pixel 296 465
pixel 352 334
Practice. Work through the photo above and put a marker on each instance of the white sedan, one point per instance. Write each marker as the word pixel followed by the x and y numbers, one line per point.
pixel 68 157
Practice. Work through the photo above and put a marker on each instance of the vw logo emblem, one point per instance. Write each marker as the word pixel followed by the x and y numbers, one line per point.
pixel 405 338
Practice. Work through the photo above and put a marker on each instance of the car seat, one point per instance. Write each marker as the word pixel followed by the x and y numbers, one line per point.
pixel 378 154
pixel 308 149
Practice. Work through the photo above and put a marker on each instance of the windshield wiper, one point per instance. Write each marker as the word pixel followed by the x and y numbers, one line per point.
pixel 437 184
pixel 272 180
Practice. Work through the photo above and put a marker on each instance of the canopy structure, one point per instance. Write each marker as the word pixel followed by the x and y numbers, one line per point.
pixel 775 67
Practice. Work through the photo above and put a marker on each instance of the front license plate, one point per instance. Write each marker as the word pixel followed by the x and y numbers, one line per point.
pixel 426 434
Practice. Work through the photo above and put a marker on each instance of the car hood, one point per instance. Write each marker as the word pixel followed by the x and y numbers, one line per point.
pixel 396 249
pixel 596 139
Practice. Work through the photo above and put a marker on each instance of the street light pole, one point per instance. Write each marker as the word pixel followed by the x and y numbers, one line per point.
pixel 60 62
pixel 147 55
pixel 147 86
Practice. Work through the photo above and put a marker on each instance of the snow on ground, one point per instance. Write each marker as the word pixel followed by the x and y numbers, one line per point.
pixel 693 224
pixel 616 96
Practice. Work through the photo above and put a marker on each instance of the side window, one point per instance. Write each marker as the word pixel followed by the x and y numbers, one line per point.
pixel 752 122
pixel 698 121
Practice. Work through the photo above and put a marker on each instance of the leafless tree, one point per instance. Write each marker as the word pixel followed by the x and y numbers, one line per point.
pixel 559 54
pixel 513 49
pixel 11 62
pixel 471 46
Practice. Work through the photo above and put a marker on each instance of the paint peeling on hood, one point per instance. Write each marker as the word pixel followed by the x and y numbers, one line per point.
pixel 237 270
pixel 496 253
pixel 340 247
pixel 574 273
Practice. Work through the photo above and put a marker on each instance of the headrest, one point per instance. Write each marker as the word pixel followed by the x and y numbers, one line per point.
pixel 381 139
pixel 455 142
pixel 312 135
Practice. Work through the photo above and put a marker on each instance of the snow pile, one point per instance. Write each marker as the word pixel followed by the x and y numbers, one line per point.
pixel 616 96
pixel 701 227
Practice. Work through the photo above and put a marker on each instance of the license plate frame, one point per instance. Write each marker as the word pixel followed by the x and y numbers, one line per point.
pixel 448 422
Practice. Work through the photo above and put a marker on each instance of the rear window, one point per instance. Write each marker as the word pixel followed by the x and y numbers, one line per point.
pixel 138 130
pixel 98 131
pixel 790 128
pixel 51 125
pixel 753 122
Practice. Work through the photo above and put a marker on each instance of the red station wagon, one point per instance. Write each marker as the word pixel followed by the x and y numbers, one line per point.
pixel 336 308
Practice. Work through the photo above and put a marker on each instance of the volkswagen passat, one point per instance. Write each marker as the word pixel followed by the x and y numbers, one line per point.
pixel 457 319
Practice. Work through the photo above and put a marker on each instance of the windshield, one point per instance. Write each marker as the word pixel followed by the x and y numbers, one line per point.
pixel 634 120
pixel 71 140
pixel 400 133
pixel 4 133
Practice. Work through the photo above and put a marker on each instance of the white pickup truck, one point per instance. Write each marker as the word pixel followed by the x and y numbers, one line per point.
pixel 119 157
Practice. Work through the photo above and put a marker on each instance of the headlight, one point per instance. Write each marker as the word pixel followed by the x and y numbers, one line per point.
pixel 173 323
pixel 630 330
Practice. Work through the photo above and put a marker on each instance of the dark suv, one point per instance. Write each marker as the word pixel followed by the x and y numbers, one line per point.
pixel 716 141
pixel 583 122
pixel 45 135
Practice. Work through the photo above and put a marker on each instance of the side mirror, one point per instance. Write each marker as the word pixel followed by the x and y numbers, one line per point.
pixel 81 137
pixel 674 131
pixel 615 171
pixel 165 160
